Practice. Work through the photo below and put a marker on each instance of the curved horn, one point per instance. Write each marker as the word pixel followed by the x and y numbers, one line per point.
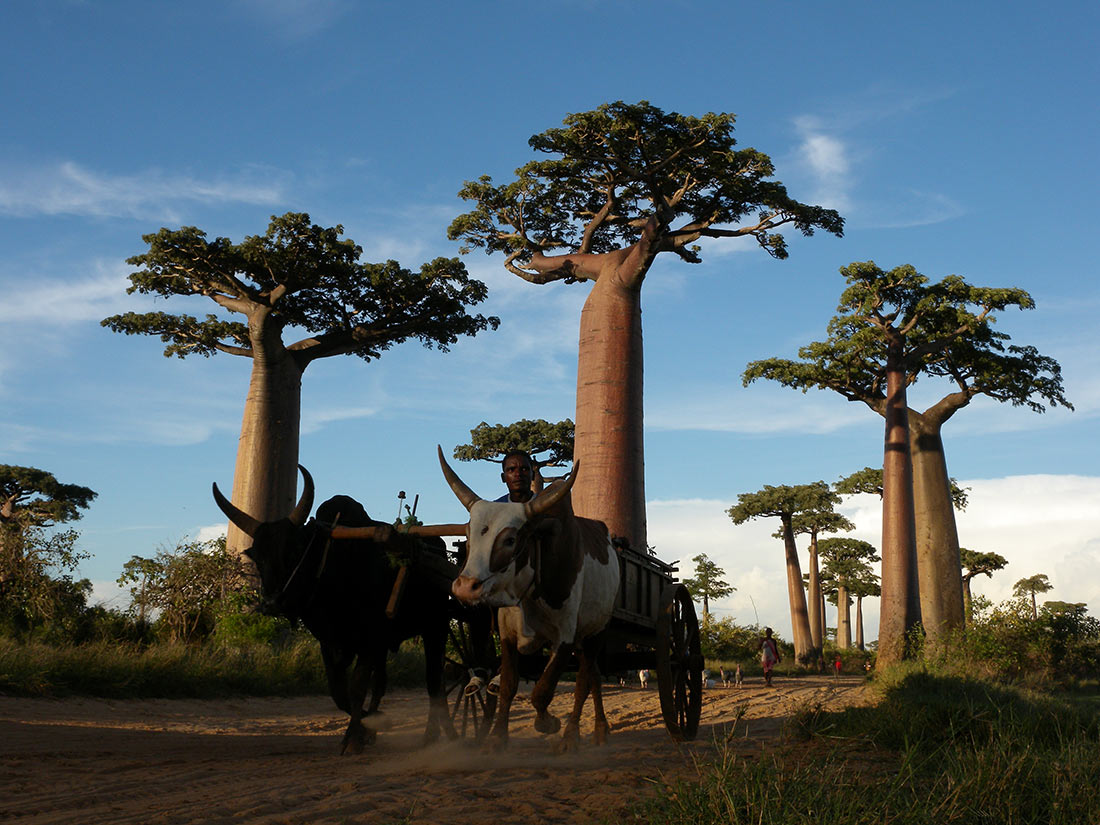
pixel 467 496
pixel 556 492
pixel 305 503
pixel 242 520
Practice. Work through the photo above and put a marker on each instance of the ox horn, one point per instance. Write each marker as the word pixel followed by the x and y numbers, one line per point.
pixel 555 493
pixel 248 524
pixel 244 522
pixel 467 496
pixel 301 510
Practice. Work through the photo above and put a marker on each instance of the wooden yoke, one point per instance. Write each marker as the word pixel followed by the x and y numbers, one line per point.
pixel 384 531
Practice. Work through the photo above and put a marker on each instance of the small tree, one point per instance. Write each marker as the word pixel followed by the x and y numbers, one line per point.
pixel 184 586
pixel 295 276
pixel 39 592
pixel 977 564
pixel 707 583
pixel 846 560
pixel 624 184
pixel 1027 588
pixel 538 437
pixel 785 503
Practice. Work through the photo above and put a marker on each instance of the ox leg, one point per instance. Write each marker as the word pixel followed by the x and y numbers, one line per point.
pixel 368 671
pixel 588 681
pixel 439 716
pixel 541 696
pixel 336 672
pixel 592 648
pixel 509 684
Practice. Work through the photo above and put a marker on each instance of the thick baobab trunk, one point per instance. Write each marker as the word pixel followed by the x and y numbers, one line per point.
pixel 608 441
pixel 266 475
pixel 816 603
pixel 900 600
pixel 804 650
pixel 859 623
pixel 843 618
pixel 937 538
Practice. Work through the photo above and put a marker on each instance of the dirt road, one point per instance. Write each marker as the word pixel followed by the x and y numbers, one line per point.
pixel 275 761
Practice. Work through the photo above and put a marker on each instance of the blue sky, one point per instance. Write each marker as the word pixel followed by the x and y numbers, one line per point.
pixel 960 138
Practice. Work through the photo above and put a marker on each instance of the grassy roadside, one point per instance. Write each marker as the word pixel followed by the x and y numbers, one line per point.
pixel 935 749
pixel 127 671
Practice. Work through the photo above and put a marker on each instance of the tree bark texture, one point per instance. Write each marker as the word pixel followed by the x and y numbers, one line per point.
pixel 609 422
pixel 843 618
pixel 859 623
pixel 937 539
pixel 800 620
pixel 266 474
pixel 900 602
pixel 968 602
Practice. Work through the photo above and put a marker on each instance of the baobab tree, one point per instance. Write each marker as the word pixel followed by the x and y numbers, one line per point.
pixel 814 523
pixel 785 503
pixel 707 583
pixel 892 327
pixel 1027 588
pixel 977 564
pixel 845 560
pixel 549 445
pixel 296 275
pixel 625 183
pixel 866 584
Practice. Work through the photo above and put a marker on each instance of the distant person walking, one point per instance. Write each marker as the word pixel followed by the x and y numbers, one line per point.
pixel 838 665
pixel 769 655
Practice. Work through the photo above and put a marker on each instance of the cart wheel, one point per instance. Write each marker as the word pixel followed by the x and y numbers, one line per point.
pixel 469 667
pixel 679 663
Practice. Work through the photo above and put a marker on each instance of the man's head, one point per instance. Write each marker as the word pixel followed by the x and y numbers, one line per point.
pixel 516 472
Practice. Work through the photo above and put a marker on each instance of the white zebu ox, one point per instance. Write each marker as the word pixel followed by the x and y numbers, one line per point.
pixel 555 578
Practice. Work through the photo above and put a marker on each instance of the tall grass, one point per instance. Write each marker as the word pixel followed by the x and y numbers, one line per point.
pixel 936 749
pixel 119 670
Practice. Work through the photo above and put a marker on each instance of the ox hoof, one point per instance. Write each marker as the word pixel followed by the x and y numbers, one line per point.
pixel 599 735
pixel 547 724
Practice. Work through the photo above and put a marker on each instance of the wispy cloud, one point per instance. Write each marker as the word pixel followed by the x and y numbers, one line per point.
pixel 724 409
pixel 58 301
pixel 826 157
pixel 295 19
pixel 833 147
pixel 67 188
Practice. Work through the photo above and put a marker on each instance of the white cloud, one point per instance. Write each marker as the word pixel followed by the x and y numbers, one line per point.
pixel 210 532
pixel 1040 523
pixel 70 189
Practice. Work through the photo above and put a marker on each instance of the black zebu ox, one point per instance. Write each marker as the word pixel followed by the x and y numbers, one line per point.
pixel 340 587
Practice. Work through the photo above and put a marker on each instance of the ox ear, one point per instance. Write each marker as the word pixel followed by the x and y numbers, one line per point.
pixel 467 496
pixel 301 510
pixel 552 495
pixel 242 520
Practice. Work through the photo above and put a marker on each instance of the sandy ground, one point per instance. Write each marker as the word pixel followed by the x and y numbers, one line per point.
pixel 277 760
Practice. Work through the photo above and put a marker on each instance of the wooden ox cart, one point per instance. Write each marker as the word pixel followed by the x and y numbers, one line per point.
pixel 653 625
